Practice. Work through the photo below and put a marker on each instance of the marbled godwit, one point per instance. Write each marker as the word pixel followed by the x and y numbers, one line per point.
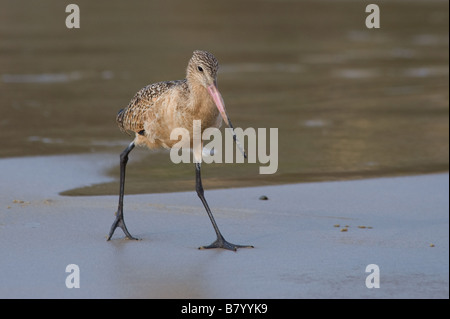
pixel 159 108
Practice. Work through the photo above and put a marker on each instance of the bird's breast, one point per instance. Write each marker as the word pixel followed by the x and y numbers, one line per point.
pixel 177 109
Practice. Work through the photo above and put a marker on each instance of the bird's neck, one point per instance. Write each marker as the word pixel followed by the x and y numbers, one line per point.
pixel 202 106
pixel 199 98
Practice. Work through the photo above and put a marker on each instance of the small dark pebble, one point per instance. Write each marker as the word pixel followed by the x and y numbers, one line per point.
pixel 263 197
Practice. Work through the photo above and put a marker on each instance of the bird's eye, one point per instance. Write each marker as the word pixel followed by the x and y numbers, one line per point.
pixel 200 68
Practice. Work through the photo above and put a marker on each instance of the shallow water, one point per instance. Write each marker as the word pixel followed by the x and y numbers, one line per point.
pixel 348 101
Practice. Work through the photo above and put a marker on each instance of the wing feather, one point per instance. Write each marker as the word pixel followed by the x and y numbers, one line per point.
pixel 131 119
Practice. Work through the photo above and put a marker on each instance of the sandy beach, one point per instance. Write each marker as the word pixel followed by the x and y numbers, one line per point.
pixel 312 240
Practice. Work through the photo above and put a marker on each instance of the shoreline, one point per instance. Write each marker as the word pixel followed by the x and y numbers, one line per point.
pixel 95 177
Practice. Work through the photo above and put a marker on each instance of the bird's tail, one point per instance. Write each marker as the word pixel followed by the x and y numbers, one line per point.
pixel 122 123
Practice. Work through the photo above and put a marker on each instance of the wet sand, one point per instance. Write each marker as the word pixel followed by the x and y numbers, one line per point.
pixel 301 251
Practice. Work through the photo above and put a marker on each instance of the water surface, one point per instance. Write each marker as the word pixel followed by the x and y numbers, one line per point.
pixel 349 102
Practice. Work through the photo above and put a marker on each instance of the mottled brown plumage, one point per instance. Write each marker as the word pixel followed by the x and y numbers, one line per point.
pixel 131 119
pixel 158 108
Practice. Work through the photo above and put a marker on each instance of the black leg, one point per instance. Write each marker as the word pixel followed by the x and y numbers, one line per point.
pixel 120 222
pixel 220 241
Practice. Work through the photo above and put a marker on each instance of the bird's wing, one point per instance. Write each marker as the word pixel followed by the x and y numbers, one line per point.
pixel 131 119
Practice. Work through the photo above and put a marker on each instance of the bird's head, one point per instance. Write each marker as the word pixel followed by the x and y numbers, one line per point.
pixel 202 69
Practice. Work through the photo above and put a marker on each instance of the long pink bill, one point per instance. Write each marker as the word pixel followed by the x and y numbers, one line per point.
pixel 218 100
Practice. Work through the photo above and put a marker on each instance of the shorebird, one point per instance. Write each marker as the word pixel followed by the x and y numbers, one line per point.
pixel 159 108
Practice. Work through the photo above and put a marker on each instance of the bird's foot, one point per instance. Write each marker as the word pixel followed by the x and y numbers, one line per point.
pixel 119 222
pixel 222 243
